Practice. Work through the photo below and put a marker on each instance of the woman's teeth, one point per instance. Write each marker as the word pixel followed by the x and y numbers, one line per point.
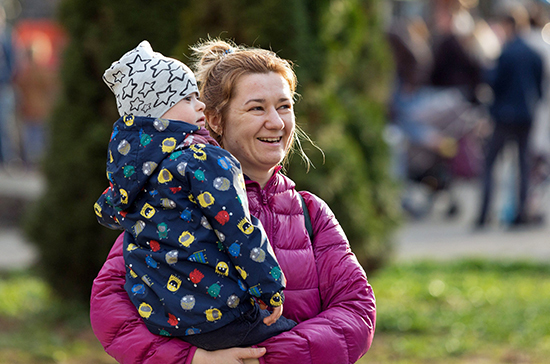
pixel 270 140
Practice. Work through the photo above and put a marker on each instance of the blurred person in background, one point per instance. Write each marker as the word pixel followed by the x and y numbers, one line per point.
pixel 454 64
pixel 538 38
pixel 36 92
pixel 517 86
pixel 7 99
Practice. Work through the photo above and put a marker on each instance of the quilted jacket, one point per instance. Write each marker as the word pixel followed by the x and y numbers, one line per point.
pixel 327 290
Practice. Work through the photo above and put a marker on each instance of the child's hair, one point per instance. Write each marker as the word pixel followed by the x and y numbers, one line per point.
pixel 218 66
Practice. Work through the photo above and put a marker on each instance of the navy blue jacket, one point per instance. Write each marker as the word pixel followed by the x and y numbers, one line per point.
pixel 194 255
pixel 517 83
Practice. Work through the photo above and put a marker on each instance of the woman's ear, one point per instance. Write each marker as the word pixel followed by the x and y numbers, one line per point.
pixel 214 123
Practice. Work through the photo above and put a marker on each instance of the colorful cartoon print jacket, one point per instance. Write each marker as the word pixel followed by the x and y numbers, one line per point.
pixel 193 254
pixel 327 291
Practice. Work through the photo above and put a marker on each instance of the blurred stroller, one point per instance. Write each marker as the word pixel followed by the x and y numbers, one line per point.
pixel 443 144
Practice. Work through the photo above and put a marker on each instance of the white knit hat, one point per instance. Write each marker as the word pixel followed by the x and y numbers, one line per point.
pixel 146 83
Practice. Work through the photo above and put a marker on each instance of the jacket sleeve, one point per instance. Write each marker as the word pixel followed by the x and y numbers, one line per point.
pixel 118 326
pixel 105 212
pixel 343 331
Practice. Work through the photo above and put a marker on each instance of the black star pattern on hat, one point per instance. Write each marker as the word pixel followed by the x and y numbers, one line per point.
pixel 147 87
pixel 125 90
pixel 176 74
pixel 146 107
pixel 142 63
pixel 166 95
pixel 156 70
pixel 118 77
pixel 188 84
pixel 133 103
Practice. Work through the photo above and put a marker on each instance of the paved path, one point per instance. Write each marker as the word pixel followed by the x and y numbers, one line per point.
pixel 15 251
pixel 434 237
pixel 437 237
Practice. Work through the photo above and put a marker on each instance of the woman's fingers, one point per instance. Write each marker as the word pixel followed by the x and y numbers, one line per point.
pixel 249 353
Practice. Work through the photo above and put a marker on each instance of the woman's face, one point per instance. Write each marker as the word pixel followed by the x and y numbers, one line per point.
pixel 259 123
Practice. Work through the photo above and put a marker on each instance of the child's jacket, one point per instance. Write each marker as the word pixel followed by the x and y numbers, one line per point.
pixel 193 254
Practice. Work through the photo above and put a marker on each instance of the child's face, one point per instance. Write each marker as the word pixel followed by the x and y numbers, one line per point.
pixel 189 109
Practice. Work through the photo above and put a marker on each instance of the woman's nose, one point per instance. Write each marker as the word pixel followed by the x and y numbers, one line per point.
pixel 274 120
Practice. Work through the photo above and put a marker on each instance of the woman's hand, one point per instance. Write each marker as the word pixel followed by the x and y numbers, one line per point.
pixel 229 356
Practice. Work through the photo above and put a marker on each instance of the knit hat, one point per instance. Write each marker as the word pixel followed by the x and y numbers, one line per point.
pixel 146 83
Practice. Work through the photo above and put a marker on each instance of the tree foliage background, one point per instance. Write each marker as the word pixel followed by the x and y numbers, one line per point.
pixel 343 71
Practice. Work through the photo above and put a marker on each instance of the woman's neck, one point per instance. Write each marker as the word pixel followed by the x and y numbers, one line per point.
pixel 262 177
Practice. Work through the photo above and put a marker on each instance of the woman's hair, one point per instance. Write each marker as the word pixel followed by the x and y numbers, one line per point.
pixel 218 66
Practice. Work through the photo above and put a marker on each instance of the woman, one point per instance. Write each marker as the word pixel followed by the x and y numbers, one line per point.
pixel 249 97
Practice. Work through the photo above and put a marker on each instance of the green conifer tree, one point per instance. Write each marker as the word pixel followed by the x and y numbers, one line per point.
pixel 72 245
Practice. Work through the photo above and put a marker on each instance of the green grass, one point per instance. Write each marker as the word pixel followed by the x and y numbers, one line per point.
pixel 462 312
pixel 37 328
pixel 458 312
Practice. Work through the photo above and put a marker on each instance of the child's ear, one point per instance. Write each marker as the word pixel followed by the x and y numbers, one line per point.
pixel 214 123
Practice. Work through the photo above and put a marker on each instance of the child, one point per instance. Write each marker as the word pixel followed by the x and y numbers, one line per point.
pixel 193 253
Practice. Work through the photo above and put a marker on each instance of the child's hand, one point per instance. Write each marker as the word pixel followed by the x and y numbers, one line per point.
pixel 271 319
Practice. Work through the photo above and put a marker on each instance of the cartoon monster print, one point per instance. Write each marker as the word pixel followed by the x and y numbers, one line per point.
pixel 171 257
pixel 173 320
pixel 222 269
pixel 213 314
pixel 199 153
pixel 148 211
pixel 214 290
pixel 245 226
pixel 173 284
pixel 233 301
pixel 145 310
pixel 154 245
pixel 186 239
pixel 161 124
pixel 199 257
pixel 206 199
pixel 168 145
pixel 222 217
pixel 148 167
pixel 235 249
pixel 257 255
pixel 162 230
pixel 164 176
pixel 187 302
pixel 196 276
pixel 151 263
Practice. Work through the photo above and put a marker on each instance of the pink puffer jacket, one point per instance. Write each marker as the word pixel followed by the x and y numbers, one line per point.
pixel 327 291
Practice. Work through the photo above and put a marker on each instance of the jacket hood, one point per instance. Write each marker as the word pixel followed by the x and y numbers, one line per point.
pixel 137 146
